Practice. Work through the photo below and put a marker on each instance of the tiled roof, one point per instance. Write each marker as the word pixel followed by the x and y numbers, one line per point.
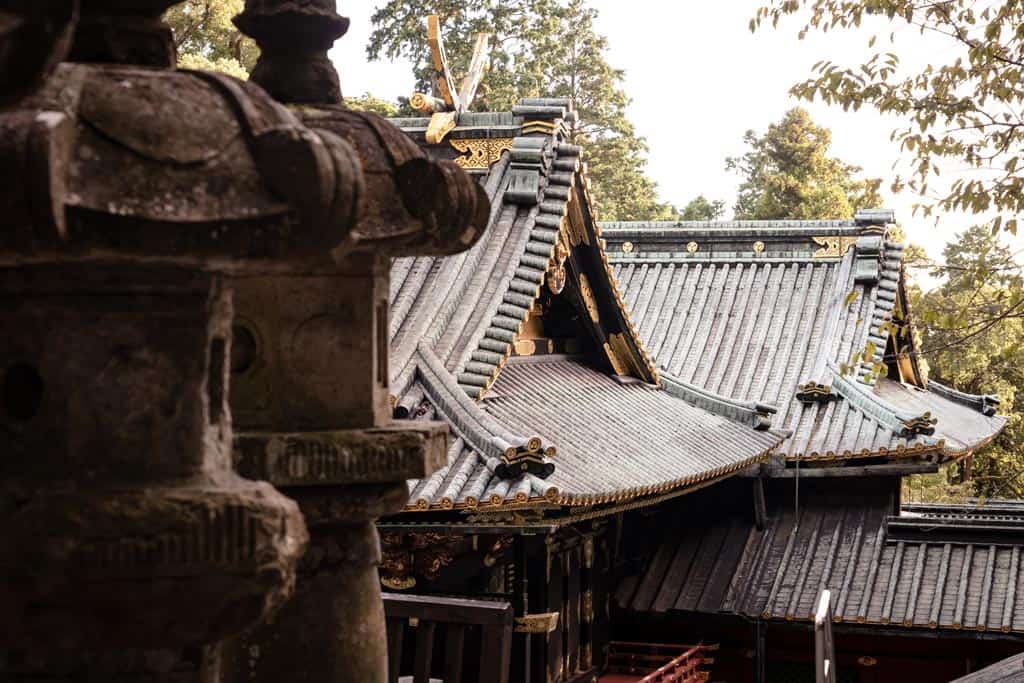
pixel 1009 670
pixel 941 579
pixel 636 440
pixel 455 322
pixel 755 309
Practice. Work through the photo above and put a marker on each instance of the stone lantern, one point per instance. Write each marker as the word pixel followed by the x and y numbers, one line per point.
pixel 310 384
pixel 128 545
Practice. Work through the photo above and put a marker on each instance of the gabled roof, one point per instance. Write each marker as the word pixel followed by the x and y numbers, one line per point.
pixel 929 569
pixel 536 298
pixel 781 312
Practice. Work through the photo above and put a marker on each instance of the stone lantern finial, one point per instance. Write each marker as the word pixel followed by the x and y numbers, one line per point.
pixel 294 37
pixel 35 35
pixel 124 32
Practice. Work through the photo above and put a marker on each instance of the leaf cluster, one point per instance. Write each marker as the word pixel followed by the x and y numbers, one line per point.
pixel 207 39
pixel 700 208
pixel 972 335
pixel 964 107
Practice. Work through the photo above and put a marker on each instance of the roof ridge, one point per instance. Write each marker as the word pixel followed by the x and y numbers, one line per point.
pixel 983 403
pixel 857 393
pixel 531 159
pixel 479 428
pixel 754 413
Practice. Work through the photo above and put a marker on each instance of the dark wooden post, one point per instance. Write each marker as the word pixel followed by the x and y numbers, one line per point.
pixel 760 652
pixel 521 643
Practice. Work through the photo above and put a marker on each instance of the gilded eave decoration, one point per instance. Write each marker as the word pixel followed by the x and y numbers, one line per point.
pixel 480 153
pixel 925 424
pixel 833 246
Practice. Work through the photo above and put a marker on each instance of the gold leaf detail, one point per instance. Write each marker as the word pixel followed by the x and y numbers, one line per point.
pixel 758 247
pixel 526 347
pixel 440 125
pixel 537 623
pixel 627 247
pixel 692 247
pixel 588 298
pixel 833 246
pixel 481 153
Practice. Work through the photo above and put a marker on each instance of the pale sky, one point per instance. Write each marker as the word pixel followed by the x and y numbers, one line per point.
pixel 698 80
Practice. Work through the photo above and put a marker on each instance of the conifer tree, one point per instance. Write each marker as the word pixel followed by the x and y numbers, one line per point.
pixel 540 48
pixel 788 174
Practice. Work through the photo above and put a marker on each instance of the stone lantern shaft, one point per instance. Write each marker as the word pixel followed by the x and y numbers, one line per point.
pixel 311 398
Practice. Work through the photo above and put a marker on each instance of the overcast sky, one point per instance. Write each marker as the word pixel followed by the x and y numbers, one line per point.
pixel 698 79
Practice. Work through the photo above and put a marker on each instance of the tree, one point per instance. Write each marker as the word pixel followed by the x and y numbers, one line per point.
pixel 964 107
pixel 787 173
pixel 701 209
pixel 367 102
pixel 206 38
pixel 540 48
pixel 967 348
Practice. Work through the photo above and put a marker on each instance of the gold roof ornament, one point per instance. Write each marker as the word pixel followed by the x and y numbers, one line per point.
pixel 447 104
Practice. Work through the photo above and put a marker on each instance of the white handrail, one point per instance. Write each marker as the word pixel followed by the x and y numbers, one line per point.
pixel 824 646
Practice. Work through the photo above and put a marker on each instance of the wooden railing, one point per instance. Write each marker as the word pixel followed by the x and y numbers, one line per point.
pixel 472 636
pixel 661 663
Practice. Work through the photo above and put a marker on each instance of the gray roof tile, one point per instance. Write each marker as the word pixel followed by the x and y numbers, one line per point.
pixel 937 579
pixel 452 324
pixel 759 308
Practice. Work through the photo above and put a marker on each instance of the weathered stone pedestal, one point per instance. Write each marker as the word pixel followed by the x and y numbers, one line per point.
pixel 129 547
pixel 311 385
pixel 317 361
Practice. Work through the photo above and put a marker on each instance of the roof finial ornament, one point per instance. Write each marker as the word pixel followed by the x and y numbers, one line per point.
pixel 294 37
pixel 448 104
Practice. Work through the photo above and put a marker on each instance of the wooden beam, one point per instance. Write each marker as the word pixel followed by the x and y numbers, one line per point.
pixel 442 71
pixel 760 509
pixel 890 470
pixel 476 73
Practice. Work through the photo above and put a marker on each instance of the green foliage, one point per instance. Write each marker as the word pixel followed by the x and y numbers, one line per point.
pixel 539 48
pixel 964 107
pixel 206 38
pixel 367 102
pixel 700 208
pixel 972 334
pixel 787 173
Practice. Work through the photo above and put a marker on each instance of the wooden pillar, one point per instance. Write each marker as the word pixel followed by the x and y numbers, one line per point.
pixel 555 573
pixel 521 642
pixel 760 652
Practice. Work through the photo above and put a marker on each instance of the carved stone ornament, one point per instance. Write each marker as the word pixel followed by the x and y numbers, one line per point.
pixel 131 193
pixel 311 394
